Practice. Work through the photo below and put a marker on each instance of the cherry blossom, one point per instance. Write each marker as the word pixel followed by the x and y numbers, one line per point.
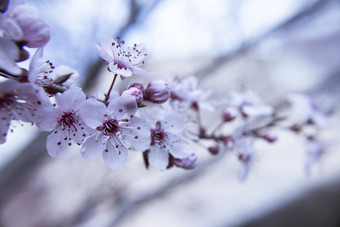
pixel 166 138
pixel 19 101
pixel 116 130
pixel 249 104
pixel 306 109
pixel 65 122
pixel 123 61
pixel 43 74
pixel 22 23
pixel 185 91
pixel 315 151
pixel 245 153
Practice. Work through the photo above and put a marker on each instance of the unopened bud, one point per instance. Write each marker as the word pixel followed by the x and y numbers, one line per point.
pixel 269 137
pixel 213 150
pixel 229 114
pixel 137 85
pixel 189 162
pixel 136 93
pixel 157 92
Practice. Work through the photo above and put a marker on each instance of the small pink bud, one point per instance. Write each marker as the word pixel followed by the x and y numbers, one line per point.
pixel 213 150
pixel 137 85
pixel 229 114
pixel 136 93
pixel 157 92
pixel 269 137
pixel 186 163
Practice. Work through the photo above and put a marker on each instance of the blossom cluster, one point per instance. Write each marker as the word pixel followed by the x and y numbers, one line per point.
pixel 162 120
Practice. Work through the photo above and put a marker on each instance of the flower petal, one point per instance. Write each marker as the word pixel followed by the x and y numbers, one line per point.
pixel 115 155
pixel 158 158
pixel 92 112
pixel 178 147
pixel 258 110
pixel 92 147
pixel 71 99
pixel 173 123
pixel 53 143
pixel 122 107
pixel 137 133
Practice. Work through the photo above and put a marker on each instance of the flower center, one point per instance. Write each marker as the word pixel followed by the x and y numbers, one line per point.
pixel 6 101
pixel 67 120
pixel 110 127
pixel 157 134
pixel 120 64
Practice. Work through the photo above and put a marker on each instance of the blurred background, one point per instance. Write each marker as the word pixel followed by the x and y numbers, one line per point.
pixel 272 47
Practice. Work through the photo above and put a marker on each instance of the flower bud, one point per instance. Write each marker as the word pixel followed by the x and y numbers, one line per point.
pixel 189 162
pixel 213 150
pixel 136 93
pixel 269 137
pixel 137 85
pixel 157 92
pixel 229 114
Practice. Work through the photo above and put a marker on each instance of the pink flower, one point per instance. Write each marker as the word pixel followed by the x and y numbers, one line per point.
pixel 122 60
pixel 245 153
pixel 249 104
pixel 116 128
pixel 166 140
pixel 22 23
pixel 305 109
pixel 19 101
pixel 65 122
pixel 315 151
pixel 42 72
pixel 185 91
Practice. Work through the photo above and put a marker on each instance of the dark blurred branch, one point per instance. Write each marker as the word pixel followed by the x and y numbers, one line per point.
pixel 128 207
pixel 247 45
pixel 317 207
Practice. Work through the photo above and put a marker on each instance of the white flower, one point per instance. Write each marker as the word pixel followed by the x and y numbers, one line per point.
pixel 249 104
pixel 166 138
pixel 245 152
pixel 306 109
pixel 185 90
pixel 122 60
pixel 19 101
pixel 65 122
pixel 22 23
pixel 116 128
pixel 42 72
pixel 315 151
